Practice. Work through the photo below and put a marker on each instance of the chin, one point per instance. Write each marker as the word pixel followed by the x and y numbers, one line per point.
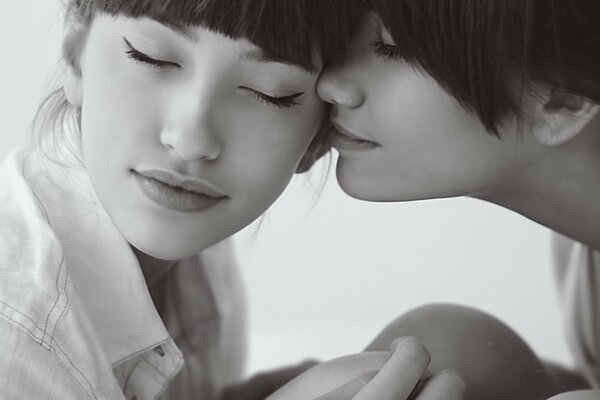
pixel 362 188
pixel 356 186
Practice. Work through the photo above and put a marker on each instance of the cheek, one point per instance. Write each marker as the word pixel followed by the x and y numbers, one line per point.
pixel 287 133
pixel 430 146
pixel 418 122
pixel 268 151
pixel 117 115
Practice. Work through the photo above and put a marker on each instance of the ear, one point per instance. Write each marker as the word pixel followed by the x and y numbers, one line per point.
pixel 73 86
pixel 560 116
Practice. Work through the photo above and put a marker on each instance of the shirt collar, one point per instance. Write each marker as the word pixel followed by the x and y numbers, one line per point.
pixel 105 272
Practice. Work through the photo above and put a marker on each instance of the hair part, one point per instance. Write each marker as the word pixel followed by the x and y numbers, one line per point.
pixel 489 53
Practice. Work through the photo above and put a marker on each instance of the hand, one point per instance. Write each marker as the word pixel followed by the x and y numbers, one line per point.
pixel 578 395
pixel 375 376
pixel 261 385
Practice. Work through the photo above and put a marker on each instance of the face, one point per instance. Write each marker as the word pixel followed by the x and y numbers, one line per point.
pixel 188 136
pixel 400 136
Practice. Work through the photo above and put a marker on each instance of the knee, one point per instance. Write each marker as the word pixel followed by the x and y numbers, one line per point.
pixel 492 359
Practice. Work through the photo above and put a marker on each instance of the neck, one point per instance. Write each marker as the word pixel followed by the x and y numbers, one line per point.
pixel 562 190
pixel 152 268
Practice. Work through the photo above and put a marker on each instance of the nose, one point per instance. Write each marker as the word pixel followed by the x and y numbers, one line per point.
pixel 190 132
pixel 340 85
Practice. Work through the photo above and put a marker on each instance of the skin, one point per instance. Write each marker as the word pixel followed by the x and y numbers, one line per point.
pixel 427 146
pixel 404 138
pixel 193 104
pixel 200 115
pixel 389 374
pixel 489 351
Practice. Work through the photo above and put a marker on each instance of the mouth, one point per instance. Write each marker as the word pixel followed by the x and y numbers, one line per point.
pixel 178 193
pixel 343 139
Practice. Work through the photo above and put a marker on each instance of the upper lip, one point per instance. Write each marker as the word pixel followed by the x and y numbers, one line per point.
pixel 348 133
pixel 191 184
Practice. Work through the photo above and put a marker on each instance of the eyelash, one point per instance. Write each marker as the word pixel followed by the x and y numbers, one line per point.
pixel 280 102
pixel 145 59
pixel 385 50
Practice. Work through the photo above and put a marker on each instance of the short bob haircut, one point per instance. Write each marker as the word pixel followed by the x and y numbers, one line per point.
pixel 307 33
pixel 486 53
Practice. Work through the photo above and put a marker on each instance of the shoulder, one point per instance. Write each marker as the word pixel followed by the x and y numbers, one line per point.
pixel 54 352
pixel 33 284
pixel 562 247
pixel 35 287
pixel 32 293
pixel 568 253
pixel 21 212
pixel 29 371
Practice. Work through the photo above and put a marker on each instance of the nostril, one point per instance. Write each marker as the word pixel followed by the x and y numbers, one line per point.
pixel 343 91
pixel 193 145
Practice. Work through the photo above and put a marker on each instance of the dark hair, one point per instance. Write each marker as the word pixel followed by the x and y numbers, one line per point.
pixel 293 31
pixel 289 30
pixel 486 53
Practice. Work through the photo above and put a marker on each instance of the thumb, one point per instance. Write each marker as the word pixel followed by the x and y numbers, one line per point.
pixel 348 390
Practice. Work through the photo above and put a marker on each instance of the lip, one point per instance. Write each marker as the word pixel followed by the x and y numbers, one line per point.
pixel 176 192
pixel 344 139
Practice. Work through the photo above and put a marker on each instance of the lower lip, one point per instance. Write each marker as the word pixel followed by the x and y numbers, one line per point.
pixel 345 143
pixel 174 198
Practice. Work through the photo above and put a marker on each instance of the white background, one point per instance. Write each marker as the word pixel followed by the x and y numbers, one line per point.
pixel 326 272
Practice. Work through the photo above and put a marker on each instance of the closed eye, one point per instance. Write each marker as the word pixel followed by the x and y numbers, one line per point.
pixel 281 102
pixel 385 50
pixel 145 59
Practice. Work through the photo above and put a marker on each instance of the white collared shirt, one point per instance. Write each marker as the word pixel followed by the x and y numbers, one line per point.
pixel 77 320
pixel 578 270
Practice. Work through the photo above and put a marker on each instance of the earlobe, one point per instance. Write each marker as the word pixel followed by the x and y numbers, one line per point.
pixel 73 87
pixel 561 116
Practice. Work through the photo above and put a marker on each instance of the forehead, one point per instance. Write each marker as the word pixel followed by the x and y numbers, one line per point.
pixel 149 30
pixel 289 30
pixel 253 52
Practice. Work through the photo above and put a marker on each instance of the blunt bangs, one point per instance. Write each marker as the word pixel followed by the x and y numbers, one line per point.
pixel 306 33
pixel 488 53
pixel 465 45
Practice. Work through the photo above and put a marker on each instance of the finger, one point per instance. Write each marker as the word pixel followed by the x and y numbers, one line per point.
pixel 348 390
pixel 400 374
pixel 445 385
pixel 419 386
